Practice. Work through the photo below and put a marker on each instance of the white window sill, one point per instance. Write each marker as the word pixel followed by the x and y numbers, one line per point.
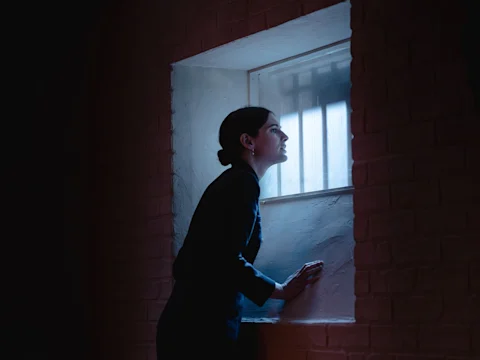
pixel 292 321
pixel 313 194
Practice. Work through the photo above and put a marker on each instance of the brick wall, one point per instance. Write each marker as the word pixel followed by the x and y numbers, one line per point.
pixel 415 200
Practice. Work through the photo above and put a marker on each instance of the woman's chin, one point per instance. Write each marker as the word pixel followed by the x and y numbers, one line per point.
pixel 283 158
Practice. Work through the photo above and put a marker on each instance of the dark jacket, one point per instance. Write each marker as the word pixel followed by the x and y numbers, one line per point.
pixel 213 269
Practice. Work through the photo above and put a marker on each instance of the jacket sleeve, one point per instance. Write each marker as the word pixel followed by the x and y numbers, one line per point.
pixel 243 209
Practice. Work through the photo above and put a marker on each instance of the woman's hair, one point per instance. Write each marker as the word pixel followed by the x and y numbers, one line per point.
pixel 245 120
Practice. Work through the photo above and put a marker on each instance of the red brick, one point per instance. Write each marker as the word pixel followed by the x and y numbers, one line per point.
pixel 257 23
pixel 401 169
pixel 461 309
pixel 459 249
pixel 152 352
pixel 413 309
pixel 310 6
pixel 444 338
pixel 401 280
pixel 415 250
pixel 155 309
pixel 147 290
pixel 348 336
pixel 369 146
pixel 398 89
pixel 368 39
pixel 274 352
pixel 371 199
pixel 326 355
pixel 160 185
pixel 307 336
pixel 239 29
pixel 387 116
pixel 472 156
pixel 454 131
pixel 357 121
pixel 390 170
pixel 474 278
pixel 360 227
pixel 420 357
pixel 165 288
pixel 391 223
pixel 283 13
pixel 216 38
pixel 473 214
pixel 460 189
pixel 476 339
pixel 362 282
pixel 439 162
pixel 154 247
pixel 134 353
pixel 258 6
pixel 397 59
pixel 359 174
pixel 231 11
pixel 130 310
pixel 442 220
pixel 411 138
pixel 415 194
pixel 374 61
pixel 373 309
pixel 375 92
pixel 443 278
pixel 156 268
pixel 356 356
pixel 357 98
pixel 379 357
pixel 144 332
pixel 160 226
pixel 393 337
pixel 378 281
pixel 301 337
pixel 379 172
pixel 367 254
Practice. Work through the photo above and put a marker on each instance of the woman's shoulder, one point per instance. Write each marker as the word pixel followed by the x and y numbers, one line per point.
pixel 238 180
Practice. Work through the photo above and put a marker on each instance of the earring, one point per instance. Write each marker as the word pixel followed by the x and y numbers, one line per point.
pixel 253 152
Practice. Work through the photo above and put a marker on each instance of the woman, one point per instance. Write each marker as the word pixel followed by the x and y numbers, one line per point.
pixel 213 270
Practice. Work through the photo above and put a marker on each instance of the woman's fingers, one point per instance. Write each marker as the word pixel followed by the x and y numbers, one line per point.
pixel 310 269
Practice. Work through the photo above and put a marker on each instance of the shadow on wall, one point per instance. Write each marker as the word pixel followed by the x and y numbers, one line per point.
pixel 303 230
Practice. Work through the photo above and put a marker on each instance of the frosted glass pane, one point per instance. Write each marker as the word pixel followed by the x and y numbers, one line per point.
pixel 269 183
pixel 290 170
pixel 337 145
pixel 313 149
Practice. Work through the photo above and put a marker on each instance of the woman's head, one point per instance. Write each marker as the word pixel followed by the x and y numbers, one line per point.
pixel 251 133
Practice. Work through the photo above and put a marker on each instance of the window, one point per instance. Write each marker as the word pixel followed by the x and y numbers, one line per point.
pixel 310 96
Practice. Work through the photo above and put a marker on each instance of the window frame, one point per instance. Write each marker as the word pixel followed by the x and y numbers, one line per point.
pixel 253 100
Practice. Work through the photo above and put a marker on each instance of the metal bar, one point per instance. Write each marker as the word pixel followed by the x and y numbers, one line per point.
pixel 325 148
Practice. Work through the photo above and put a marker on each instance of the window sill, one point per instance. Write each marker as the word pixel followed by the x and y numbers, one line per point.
pixel 292 321
pixel 313 194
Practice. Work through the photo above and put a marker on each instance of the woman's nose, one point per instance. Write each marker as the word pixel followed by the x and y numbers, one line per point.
pixel 284 136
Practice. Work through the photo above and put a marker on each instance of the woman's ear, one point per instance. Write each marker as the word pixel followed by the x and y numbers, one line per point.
pixel 247 142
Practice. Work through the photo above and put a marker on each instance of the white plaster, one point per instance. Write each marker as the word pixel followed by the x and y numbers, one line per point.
pixel 303 230
pixel 202 98
pixel 317 29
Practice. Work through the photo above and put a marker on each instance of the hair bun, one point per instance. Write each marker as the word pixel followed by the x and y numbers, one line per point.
pixel 224 157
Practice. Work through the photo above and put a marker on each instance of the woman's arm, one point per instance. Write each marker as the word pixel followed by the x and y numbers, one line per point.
pixel 294 285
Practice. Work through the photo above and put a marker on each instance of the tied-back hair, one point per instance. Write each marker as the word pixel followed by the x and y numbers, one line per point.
pixel 247 120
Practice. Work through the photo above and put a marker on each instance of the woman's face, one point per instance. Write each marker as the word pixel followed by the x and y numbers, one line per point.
pixel 270 142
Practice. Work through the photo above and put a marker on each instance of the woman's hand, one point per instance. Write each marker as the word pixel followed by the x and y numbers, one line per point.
pixel 296 283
